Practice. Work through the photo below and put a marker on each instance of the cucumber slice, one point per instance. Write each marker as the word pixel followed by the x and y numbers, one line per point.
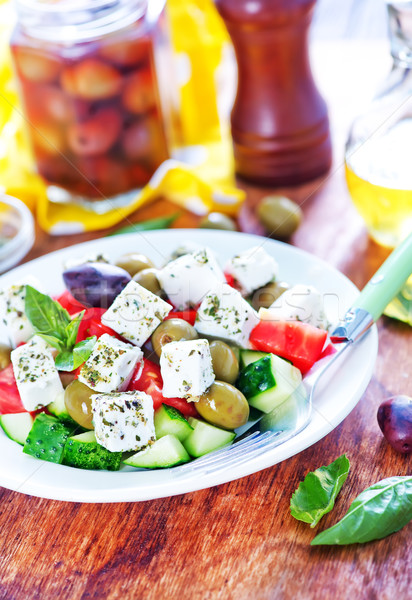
pixel 169 420
pixel 83 452
pixel 166 452
pixel 47 438
pixel 248 356
pixel 58 409
pixel 17 426
pixel 206 437
pixel 268 382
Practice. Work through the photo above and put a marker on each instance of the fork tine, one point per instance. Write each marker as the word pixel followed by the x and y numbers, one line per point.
pixel 250 447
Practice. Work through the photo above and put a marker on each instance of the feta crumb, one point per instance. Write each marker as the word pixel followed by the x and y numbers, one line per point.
pixel 186 369
pixel 123 422
pixel 187 279
pixel 136 313
pixel 36 375
pixel 17 326
pixel 111 364
pixel 252 269
pixel 224 314
pixel 299 303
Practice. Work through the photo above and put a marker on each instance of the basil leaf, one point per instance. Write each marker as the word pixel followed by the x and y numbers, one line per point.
pixel 65 361
pixel 72 329
pixel 82 351
pixel 52 341
pixel 46 315
pixel 401 306
pixel 69 360
pixel 316 495
pixel 377 512
pixel 159 223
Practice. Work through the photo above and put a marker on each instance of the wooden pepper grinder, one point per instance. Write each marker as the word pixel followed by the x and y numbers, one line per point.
pixel 280 125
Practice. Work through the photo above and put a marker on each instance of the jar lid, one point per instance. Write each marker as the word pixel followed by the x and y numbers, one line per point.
pixel 16 231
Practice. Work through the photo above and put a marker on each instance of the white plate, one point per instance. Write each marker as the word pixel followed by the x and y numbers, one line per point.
pixel 30 476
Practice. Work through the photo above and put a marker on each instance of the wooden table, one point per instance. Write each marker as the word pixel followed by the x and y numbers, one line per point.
pixel 238 540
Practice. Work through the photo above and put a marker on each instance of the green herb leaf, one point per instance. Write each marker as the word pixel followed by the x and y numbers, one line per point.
pixel 159 223
pixel 377 512
pixel 82 351
pixel 401 306
pixel 52 341
pixel 46 315
pixel 69 360
pixel 65 361
pixel 316 495
pixel 72 329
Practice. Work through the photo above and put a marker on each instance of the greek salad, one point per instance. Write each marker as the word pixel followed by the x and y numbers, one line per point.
pixel 152 366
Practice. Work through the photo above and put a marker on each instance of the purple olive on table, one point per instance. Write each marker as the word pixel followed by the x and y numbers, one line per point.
pixel 96 284
pixel 395 421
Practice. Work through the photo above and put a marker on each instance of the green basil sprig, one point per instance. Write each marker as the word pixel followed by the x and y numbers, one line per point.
pixel 316 495
pixel 378 511
pixel 53 323
pixel 150 224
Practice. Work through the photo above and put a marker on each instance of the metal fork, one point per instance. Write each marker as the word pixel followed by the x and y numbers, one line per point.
pixel 267 432
pixel 252 440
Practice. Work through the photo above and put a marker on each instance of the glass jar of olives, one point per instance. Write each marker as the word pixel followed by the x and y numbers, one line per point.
pixel 94 100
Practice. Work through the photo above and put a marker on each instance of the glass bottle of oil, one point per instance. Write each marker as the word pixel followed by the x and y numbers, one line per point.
pixel 379 147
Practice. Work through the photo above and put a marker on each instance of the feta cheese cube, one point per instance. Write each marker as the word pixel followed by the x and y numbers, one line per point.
pixel 186 369
pixel 299 303
pixel 123 422
pixel 187 279
pixel 252 269
pixel 36 375
pixel 110 366
pixel 136 313
pixel 224 314
pixel 17 326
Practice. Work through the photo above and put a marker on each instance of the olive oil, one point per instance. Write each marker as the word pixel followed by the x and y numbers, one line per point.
pixel 379 178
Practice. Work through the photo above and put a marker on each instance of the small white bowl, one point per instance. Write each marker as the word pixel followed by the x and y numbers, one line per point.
pixel 16 231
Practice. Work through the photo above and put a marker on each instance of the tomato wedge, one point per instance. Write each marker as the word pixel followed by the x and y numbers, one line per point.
pixel 298 342
pixel 150 381
pixel 188 315
pixel 67 301
pixel 10 401
pixel 91 324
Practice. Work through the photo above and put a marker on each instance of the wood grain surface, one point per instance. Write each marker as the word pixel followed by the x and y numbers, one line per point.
pixel 235 541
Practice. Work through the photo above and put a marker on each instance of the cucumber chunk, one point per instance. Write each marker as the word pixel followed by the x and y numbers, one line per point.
pixel 205 438
pixel 169 420
pixel 59 410
pixel 268 382
pixel 165 452
pixel 17 426
pixel 83 452
pixel 249 356
pixel 47 438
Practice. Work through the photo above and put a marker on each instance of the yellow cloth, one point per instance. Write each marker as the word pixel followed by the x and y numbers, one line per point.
pixel 199 39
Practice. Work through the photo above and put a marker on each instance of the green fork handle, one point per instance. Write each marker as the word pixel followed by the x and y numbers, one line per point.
pixel 387 281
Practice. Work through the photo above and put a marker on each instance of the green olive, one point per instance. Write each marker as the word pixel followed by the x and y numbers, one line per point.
pixel 216 220
pixel 265 296
pixel 225 363
pixel 134 263
pixel 78 403
pixel 172 330
pixel 4 356
pixel 223 405
pixel 279 215
pixel 148 279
